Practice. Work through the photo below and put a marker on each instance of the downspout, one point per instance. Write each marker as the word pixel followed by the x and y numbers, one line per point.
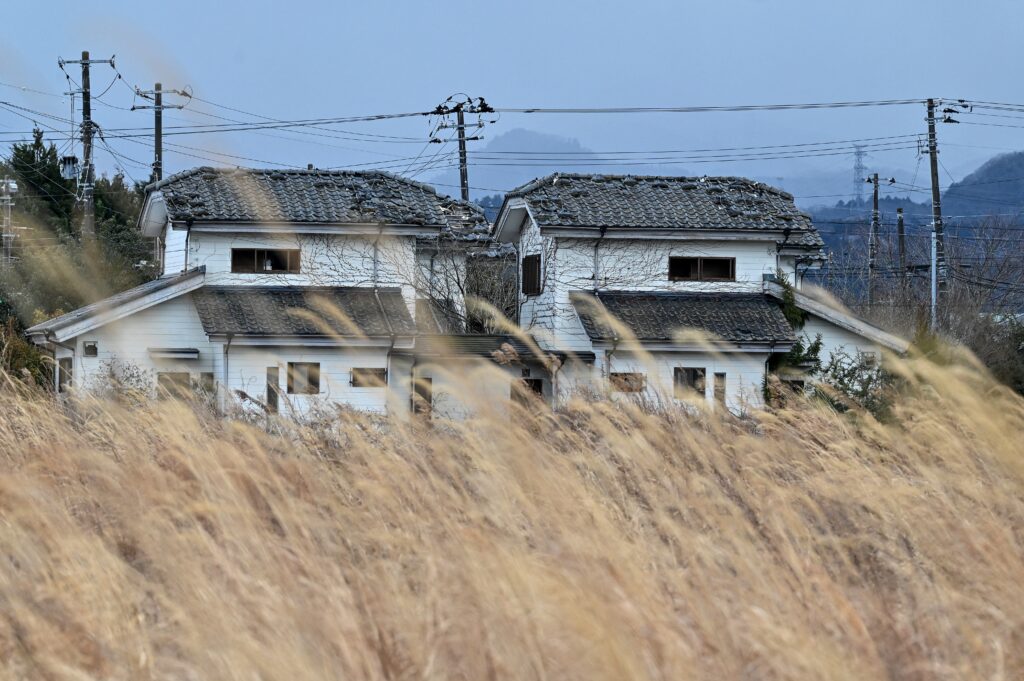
pixel 597 243
pixel 376 254
pixel 74 355
pixel 391 332
pixel 227 388
pixel 188 236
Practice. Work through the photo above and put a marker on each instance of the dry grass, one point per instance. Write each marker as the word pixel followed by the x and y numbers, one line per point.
pixel 606 543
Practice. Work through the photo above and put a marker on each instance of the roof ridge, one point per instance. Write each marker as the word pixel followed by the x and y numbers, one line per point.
pixel 538 182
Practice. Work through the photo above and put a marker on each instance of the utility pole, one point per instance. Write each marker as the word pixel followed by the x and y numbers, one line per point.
pixel 7 187
pixel 460 105
pixel 901 245
pixel 156 96
pixel 873 240
pixel 89 170
pixel 463 165
pixel 938 241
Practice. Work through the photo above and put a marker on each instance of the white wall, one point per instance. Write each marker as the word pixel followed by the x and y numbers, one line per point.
pixel 744 375
pixel 247 371
pixel 175 243
pixel 622 264
pixel 468 386
pixel 325 260
pixel 835 338
pixel 123 344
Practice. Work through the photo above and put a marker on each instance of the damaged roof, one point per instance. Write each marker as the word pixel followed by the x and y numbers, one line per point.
pixel 665 202
pixel 254 195
pixel 302 311
pixel 660 316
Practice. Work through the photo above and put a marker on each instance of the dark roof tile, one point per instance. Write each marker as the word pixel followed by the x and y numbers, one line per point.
pixel 665 202
pixel 296 311
pixel 247 195
pixel 658 316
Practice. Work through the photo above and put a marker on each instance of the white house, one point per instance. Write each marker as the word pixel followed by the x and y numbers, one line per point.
pixel 284 289
pixel 666 256
pixel 291 290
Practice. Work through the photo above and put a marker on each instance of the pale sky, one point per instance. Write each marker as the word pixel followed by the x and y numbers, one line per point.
pixel 300 60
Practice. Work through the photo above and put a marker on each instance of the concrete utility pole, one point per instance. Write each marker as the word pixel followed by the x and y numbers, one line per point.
pixel 938 240
pixel 89 170
pixel 7 187
pixel 901 245
pixel 460 105
pixel 873 240
pixel 156 96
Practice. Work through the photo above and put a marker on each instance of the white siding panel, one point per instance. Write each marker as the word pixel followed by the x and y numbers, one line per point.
pixel 123 345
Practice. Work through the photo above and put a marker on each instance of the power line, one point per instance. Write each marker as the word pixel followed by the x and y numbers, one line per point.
pixel 712 109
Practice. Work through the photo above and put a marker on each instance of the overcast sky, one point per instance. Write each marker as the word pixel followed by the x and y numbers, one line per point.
pixel 298 60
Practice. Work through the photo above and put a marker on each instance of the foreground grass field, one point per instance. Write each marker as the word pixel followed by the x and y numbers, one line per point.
pixel 604 543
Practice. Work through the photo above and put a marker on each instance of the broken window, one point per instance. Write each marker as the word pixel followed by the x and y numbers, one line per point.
pixel 90 349
pixel 627 382
pixel 273 388
pixel 720 388
pixel 303 378
pixel 527 391
pixel 64 374
pixel 701 269
pixel 531 275
pixel 423 396
pixel 264 260
pixel 176 384
pixel 369 378
pixel 207 383
pixel 689 380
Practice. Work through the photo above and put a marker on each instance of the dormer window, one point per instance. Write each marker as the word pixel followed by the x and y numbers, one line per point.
pixel 264 261
pixel 701 269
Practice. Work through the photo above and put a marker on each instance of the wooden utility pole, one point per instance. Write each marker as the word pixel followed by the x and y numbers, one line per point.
pixel 156 95
pixel 873 240
pixel 89 169
pixel 939 246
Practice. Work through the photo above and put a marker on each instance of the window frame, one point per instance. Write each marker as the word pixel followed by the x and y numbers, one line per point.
pixel 368 377
pixel 720 386
pixel 535 284
pixel 700 268
pixel 292 257
pixel 619 384
pixel 178 384
pixel 312 387
pixel 685 380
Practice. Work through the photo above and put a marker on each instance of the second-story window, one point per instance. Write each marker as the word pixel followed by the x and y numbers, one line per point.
pixel 531 275
pixel 265 260
pixel 701 269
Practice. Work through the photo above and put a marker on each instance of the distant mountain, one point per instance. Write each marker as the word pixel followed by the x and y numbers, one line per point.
pixel 997 187
pixel 494 170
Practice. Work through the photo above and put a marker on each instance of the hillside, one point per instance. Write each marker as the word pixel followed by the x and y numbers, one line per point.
pixel 997 187
pixel 151 541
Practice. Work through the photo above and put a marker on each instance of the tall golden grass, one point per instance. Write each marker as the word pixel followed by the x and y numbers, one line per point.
pixel 605 542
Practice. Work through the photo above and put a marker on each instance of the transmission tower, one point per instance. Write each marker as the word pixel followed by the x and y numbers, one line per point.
pixel 859 172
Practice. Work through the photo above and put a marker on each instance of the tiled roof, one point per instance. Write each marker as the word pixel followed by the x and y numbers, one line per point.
pixel 114 301
pixel 664 202
pixel 735 317
pixel 296 311
pixel 248 195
